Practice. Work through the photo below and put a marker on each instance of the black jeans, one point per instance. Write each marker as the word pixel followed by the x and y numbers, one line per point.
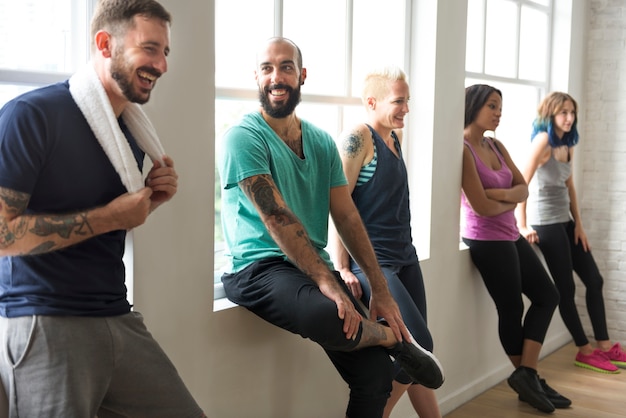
pixel 283 295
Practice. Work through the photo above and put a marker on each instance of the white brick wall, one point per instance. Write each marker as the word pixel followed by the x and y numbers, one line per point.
pixel 602 186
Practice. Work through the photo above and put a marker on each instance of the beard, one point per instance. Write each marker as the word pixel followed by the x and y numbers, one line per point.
pixel 122 72
pixel 281 110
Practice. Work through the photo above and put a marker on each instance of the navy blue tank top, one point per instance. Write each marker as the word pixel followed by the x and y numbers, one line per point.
pixel 383 203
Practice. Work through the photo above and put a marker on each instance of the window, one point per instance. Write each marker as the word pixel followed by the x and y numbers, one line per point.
pixel 26 60
pixel 337 48
pixel 508 46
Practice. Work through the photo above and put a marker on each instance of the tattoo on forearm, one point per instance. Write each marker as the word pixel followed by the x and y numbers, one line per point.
pixel 62 225
pixel 302 266
pixel 301 233
pixel 21 227
pixel 373 334
pixel 15 225
pixel 12 203
pixel 42 248
pixel 353 144
pixel 6 236
pixel 85 226
pixel 261 191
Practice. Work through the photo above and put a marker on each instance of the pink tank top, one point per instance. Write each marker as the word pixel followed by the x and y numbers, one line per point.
pixel 502 227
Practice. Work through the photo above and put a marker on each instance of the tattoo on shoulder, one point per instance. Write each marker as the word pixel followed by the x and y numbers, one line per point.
pixel 352 144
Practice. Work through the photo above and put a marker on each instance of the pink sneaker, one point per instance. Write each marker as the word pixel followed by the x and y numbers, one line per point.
pixel 616 355
pixel 596 361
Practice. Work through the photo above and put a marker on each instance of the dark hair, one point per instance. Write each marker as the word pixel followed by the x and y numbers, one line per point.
pixel 475 98
pixel 115 16
pixel 544 122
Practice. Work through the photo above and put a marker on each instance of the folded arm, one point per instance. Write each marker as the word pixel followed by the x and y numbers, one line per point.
pixel 492 202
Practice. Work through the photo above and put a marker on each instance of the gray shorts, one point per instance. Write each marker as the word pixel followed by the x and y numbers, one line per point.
pixel 82 367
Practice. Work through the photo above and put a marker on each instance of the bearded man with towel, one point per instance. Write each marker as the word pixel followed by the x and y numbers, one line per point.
pixel 70 188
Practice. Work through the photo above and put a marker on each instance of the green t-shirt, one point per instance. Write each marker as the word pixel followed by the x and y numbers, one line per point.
pixel 252 148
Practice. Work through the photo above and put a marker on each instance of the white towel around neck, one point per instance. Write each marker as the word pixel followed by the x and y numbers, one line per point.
pixel 89 94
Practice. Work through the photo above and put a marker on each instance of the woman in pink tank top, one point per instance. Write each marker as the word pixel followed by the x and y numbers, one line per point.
pixel 492 187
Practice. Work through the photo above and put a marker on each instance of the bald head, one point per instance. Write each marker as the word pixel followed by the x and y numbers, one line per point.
pixel 279 40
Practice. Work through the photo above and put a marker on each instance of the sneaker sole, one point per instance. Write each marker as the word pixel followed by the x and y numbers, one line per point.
pixel 559 404
pixel 595 369
pixel 621 364
pixel 442 376
pixel 538 406
pixel 433 383
pixel 432 356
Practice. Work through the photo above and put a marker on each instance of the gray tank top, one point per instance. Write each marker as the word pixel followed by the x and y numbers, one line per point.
pixel 548 197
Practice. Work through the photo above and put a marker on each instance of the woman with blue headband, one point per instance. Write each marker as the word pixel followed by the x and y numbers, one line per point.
pixel 551 219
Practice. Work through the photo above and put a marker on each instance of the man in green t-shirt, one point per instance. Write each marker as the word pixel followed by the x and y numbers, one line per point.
pixel 281 177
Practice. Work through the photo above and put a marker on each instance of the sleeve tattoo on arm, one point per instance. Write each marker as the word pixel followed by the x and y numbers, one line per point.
pixel 12 203
pixel 259 190
pixel 62 225
pixel 15 203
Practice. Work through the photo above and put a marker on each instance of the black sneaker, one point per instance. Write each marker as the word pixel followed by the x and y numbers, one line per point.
pixel 526 383
pixel 420 364
pixel 558 400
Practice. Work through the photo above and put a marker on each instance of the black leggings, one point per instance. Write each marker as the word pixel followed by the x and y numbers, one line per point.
pixel 283 295
pixel 563 257
pixel 510 269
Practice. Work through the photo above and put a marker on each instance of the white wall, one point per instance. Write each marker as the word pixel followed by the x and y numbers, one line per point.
pixel 603 144
pixel 235 364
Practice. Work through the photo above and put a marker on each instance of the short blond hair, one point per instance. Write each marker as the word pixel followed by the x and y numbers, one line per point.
pixel 376 82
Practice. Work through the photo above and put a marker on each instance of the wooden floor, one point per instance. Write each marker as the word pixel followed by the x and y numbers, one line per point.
pixel 593 394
